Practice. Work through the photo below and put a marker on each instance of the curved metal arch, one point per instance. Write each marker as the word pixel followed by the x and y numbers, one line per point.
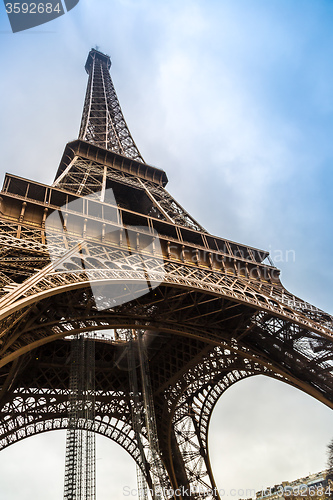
pixel 46 283
pixel 64 315
pixel 207 377
pixel 92 324
pixel 220 390
pixel 113 433
pixel 143 318
pixel 119 431
pixel 260 293
pixel 193 413
pixel 183 422
pixel 188 423
pixel 139 315
pixel 202 393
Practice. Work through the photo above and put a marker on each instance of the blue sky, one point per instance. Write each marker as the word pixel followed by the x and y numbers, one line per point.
pixel 234 99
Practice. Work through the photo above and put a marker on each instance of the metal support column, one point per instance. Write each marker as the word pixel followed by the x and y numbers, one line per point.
pixel 80 468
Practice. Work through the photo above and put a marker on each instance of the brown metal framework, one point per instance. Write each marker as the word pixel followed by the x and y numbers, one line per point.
pixel 103 122
pixel 220 313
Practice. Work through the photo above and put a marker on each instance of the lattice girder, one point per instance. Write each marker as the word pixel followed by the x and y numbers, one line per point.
pixel 87 177
pixel 103 122
pixel 184 277
pixel 38 400
pixel 106 247
pixel 202 373
pixel 194 409
pixel 176 311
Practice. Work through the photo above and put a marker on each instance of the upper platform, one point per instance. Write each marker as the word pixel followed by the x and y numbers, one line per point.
pixel 93 55
pixel 110 159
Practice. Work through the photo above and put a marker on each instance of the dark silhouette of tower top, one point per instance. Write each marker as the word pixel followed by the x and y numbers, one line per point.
pixel 94 55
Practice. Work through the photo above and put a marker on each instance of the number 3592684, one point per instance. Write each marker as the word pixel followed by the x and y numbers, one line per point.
pixel 32 8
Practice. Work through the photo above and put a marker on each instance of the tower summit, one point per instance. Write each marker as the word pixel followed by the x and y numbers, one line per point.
pixel 103 123
pixel 94 55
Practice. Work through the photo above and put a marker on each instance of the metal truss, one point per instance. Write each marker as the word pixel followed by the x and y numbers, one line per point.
pixel 202 312
pixel 206 318
pixel 137 407
pixel 103 122
pixel 37 407
pixel 80 474
pixel 144 421
pixel 218 372
pixel 184 408
pixel 86 177
pixel 107 265
pixel 173 210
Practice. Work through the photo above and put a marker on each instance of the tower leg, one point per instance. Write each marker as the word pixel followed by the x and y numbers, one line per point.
pixel 190 460
pixel 144 421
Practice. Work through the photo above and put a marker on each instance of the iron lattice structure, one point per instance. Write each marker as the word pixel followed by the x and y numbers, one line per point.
pixel 80 476
pixel 103 122
pixel 106 247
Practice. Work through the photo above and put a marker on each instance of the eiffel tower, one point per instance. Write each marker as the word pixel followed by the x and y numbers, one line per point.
pixel 178 315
